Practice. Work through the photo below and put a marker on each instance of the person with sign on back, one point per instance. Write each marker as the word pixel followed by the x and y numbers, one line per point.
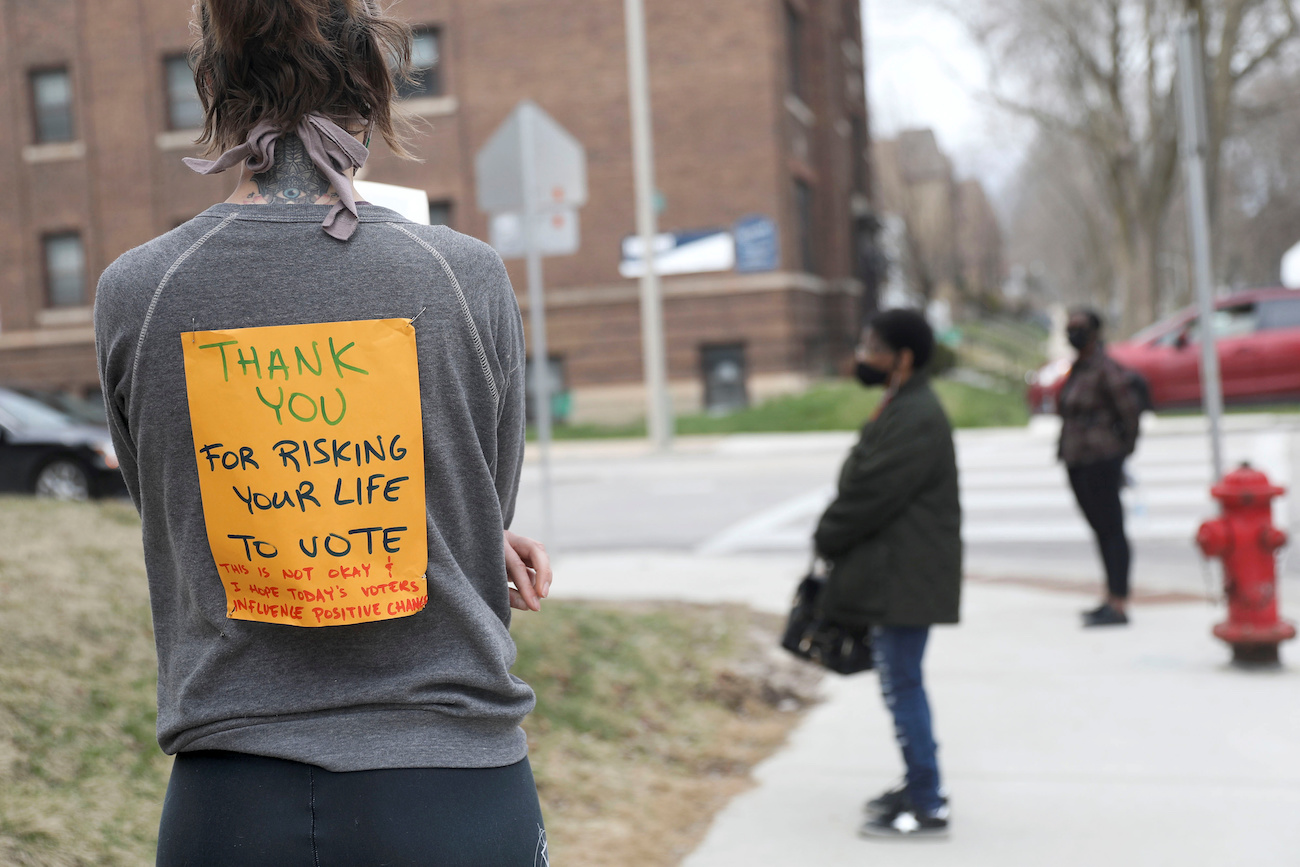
pixel 319 410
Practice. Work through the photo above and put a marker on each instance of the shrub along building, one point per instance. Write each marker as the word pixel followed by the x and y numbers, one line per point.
pixel 761 139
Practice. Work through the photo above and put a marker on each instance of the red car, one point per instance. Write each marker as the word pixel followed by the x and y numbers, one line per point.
pixel 1258 334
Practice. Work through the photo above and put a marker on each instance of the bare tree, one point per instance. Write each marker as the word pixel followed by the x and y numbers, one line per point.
pixel 1260 180
pixel 1100 73
pixel 1059 228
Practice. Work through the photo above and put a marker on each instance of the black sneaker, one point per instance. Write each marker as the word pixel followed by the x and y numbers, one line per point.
pixel 1105 616
pixel 895 800
pixel 907 822
pixel 1093 612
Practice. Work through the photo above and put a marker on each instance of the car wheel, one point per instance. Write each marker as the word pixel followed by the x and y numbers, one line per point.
pixel 63 479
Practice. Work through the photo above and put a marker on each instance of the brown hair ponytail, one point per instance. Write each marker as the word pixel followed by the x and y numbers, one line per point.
pixel 280 60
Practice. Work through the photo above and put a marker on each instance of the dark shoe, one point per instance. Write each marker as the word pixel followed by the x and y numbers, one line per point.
pixel 907 822
pixel 895 800
pixel 1105 616
pixel 1093 612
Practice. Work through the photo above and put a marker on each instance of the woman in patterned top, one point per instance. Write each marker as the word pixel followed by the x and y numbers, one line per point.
pixel 1100 411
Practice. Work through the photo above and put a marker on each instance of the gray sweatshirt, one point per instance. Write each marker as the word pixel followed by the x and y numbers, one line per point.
pixel 426 689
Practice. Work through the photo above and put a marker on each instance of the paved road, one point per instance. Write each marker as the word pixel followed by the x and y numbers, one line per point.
pixel 761 494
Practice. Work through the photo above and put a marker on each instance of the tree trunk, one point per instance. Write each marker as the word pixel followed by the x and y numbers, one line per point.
pixel 1138 275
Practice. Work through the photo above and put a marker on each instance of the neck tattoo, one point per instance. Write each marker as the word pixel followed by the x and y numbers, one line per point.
pixel 293 179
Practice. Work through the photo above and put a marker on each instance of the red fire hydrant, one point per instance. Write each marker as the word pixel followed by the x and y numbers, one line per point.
pixel 1245 538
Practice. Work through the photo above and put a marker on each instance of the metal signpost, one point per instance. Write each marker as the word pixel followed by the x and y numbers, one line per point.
pixel 658 406
pixel 532 176
pixel 1194 135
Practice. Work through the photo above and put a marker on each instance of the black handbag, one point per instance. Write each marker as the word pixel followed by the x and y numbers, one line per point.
pixel 842 649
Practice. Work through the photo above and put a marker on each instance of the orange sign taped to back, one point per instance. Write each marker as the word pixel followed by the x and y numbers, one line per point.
pixel 310 452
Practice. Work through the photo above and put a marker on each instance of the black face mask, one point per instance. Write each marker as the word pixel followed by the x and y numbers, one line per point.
pixel 870 375
pixel 1078 337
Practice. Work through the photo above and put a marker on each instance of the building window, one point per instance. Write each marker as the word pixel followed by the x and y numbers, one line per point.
pixel 556 382
pixel 440 213
pixel 52 105
pixel 426 60
pixel 794 35
pixel 65 270
pixel 184 111
pixel 803 203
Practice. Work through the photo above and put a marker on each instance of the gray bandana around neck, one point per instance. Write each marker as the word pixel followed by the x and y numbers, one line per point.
pixel 328 145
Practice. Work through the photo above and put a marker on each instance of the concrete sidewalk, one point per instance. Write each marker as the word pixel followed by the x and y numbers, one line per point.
pixel 1061 747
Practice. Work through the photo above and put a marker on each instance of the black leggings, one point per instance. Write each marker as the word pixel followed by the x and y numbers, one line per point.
pixel 235 810
pixel 1096 487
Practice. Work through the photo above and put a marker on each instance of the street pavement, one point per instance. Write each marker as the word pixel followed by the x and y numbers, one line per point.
pixel 1061 746
pixel 761 494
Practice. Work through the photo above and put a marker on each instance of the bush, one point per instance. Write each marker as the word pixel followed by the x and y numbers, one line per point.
pixel 943 360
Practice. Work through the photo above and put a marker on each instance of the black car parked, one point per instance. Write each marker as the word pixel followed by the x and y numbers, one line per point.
pixel 48 453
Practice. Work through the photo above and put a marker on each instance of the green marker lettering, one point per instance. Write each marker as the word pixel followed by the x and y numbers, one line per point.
pixel 342 411
pixel 303 361
pixel 339 363
pixel 295 412
pixel 274 406
pixel 243 363
pixel 272 365
pixel 222 346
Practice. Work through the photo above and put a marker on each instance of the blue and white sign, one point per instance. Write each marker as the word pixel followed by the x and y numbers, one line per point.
pixel 758 245
pixel 694 252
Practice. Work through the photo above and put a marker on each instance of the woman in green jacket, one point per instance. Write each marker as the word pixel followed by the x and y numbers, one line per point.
pixel 893 538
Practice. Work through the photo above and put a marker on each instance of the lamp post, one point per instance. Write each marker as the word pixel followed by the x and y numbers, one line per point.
pixel 659 411
pixel 1194 135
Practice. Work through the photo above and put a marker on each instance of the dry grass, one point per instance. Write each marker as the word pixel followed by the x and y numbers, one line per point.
pixel 643 734
pixel 649 716
pixel 81 776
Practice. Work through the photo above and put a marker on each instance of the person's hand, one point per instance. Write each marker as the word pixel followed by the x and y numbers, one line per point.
pixel 528 568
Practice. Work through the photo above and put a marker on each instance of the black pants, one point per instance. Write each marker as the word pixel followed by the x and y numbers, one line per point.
pixel 1096 487
pixel 235 810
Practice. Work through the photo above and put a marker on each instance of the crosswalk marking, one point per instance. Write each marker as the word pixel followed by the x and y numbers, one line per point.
pixel 1013 490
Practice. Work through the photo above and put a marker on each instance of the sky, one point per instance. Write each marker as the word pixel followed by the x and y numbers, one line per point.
pixel 924 70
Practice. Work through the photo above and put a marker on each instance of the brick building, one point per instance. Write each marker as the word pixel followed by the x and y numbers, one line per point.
pixel 952 241
pixel 979 242
pixel 759 109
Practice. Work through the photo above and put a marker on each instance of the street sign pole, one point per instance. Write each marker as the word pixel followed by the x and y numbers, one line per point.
pixel 659 409
pixel 537 317
pixel 532 168
pixel 1195 137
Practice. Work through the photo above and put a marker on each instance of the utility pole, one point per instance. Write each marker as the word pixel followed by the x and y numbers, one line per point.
pixel 1194 138
pixel 659 410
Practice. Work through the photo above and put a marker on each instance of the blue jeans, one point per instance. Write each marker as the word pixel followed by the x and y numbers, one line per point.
pixel 898 651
